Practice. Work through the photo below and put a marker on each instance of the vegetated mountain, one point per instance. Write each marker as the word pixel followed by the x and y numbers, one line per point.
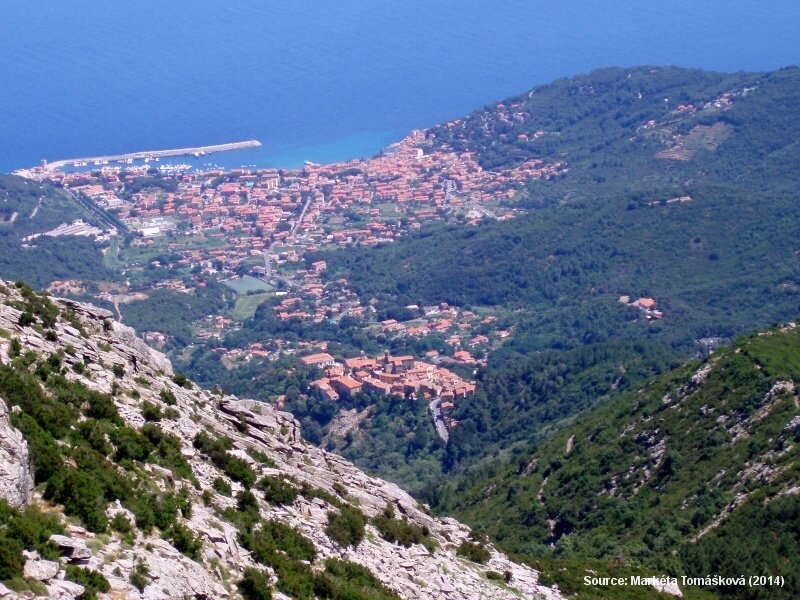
pixel 680 186
pixel 697 473
pixel 28 208
pixel 690 201
pixel 119 478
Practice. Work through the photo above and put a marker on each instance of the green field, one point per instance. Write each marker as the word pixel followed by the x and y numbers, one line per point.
pixel 246 306
pixel 388 210
pixel 248 285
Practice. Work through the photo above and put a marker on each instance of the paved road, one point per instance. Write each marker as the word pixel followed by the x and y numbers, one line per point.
pixel 438 420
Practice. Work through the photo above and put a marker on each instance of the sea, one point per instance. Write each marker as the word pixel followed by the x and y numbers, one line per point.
pixel 326 81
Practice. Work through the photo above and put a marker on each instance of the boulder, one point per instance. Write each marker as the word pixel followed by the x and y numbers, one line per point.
pixel 60 589
pixel 43 570
pixel 72 549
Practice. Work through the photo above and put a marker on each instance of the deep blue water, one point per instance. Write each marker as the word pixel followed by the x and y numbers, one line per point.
pixel 323 81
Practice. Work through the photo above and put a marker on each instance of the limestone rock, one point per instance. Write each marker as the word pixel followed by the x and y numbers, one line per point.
pixel 7 594
pixel 16 478
pixel 60 589
pixel 43 570
pixel 137 349
pixel 72 549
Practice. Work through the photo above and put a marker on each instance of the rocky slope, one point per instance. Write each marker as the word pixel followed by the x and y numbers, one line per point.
pixel 83 344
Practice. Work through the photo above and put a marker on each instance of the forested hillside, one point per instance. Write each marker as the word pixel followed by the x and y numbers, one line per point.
pixel 696 473
pixel 121 479
pixel 713 237
pixel 668 231
pixel 680 187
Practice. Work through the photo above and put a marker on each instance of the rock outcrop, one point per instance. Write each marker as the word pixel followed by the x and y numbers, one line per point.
pixel 16 479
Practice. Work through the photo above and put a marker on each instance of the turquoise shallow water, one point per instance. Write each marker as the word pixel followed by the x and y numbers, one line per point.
pixel 327 81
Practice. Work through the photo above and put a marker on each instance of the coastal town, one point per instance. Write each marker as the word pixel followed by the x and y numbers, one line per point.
pixel 250 230
pixel 353 202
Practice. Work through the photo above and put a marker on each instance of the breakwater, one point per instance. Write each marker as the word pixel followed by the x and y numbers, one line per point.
pixel 150 154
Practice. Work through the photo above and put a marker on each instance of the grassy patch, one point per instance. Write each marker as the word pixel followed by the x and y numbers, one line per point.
pixel 246 306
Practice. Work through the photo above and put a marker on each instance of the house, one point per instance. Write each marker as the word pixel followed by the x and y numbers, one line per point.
pixel 322 359
pixel 377 386
pixel 325 389
pixel 346 386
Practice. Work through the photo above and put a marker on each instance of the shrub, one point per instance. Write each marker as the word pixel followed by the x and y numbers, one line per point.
pixel 151 412
pixel 11 560
pixel 139 575
pixel 261 458
pixel 181 380
pixel 92 581
pixel 277 490
pixel 346 527
pixel 130 444
pixel 474 552
pixel 402 532
pixel 255 585
pixel 237 468
pixel 15 349
pixel 33 528
pixel 167 451
pixel 234 467
pixel 82 496
pixel 28 529
pixel 121 524
pixel 222 486
pixel 294 578
pixel 186 542
pixel 246 502
pixel 168 397
pixel 343 580
pixel 273 542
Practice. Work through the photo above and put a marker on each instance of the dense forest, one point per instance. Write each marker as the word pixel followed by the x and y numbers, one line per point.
pixel 725 253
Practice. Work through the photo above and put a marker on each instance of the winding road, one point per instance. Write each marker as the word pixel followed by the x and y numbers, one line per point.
pixel 438 419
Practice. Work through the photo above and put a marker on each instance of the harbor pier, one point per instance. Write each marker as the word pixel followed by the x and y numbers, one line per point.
pixel 151 154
